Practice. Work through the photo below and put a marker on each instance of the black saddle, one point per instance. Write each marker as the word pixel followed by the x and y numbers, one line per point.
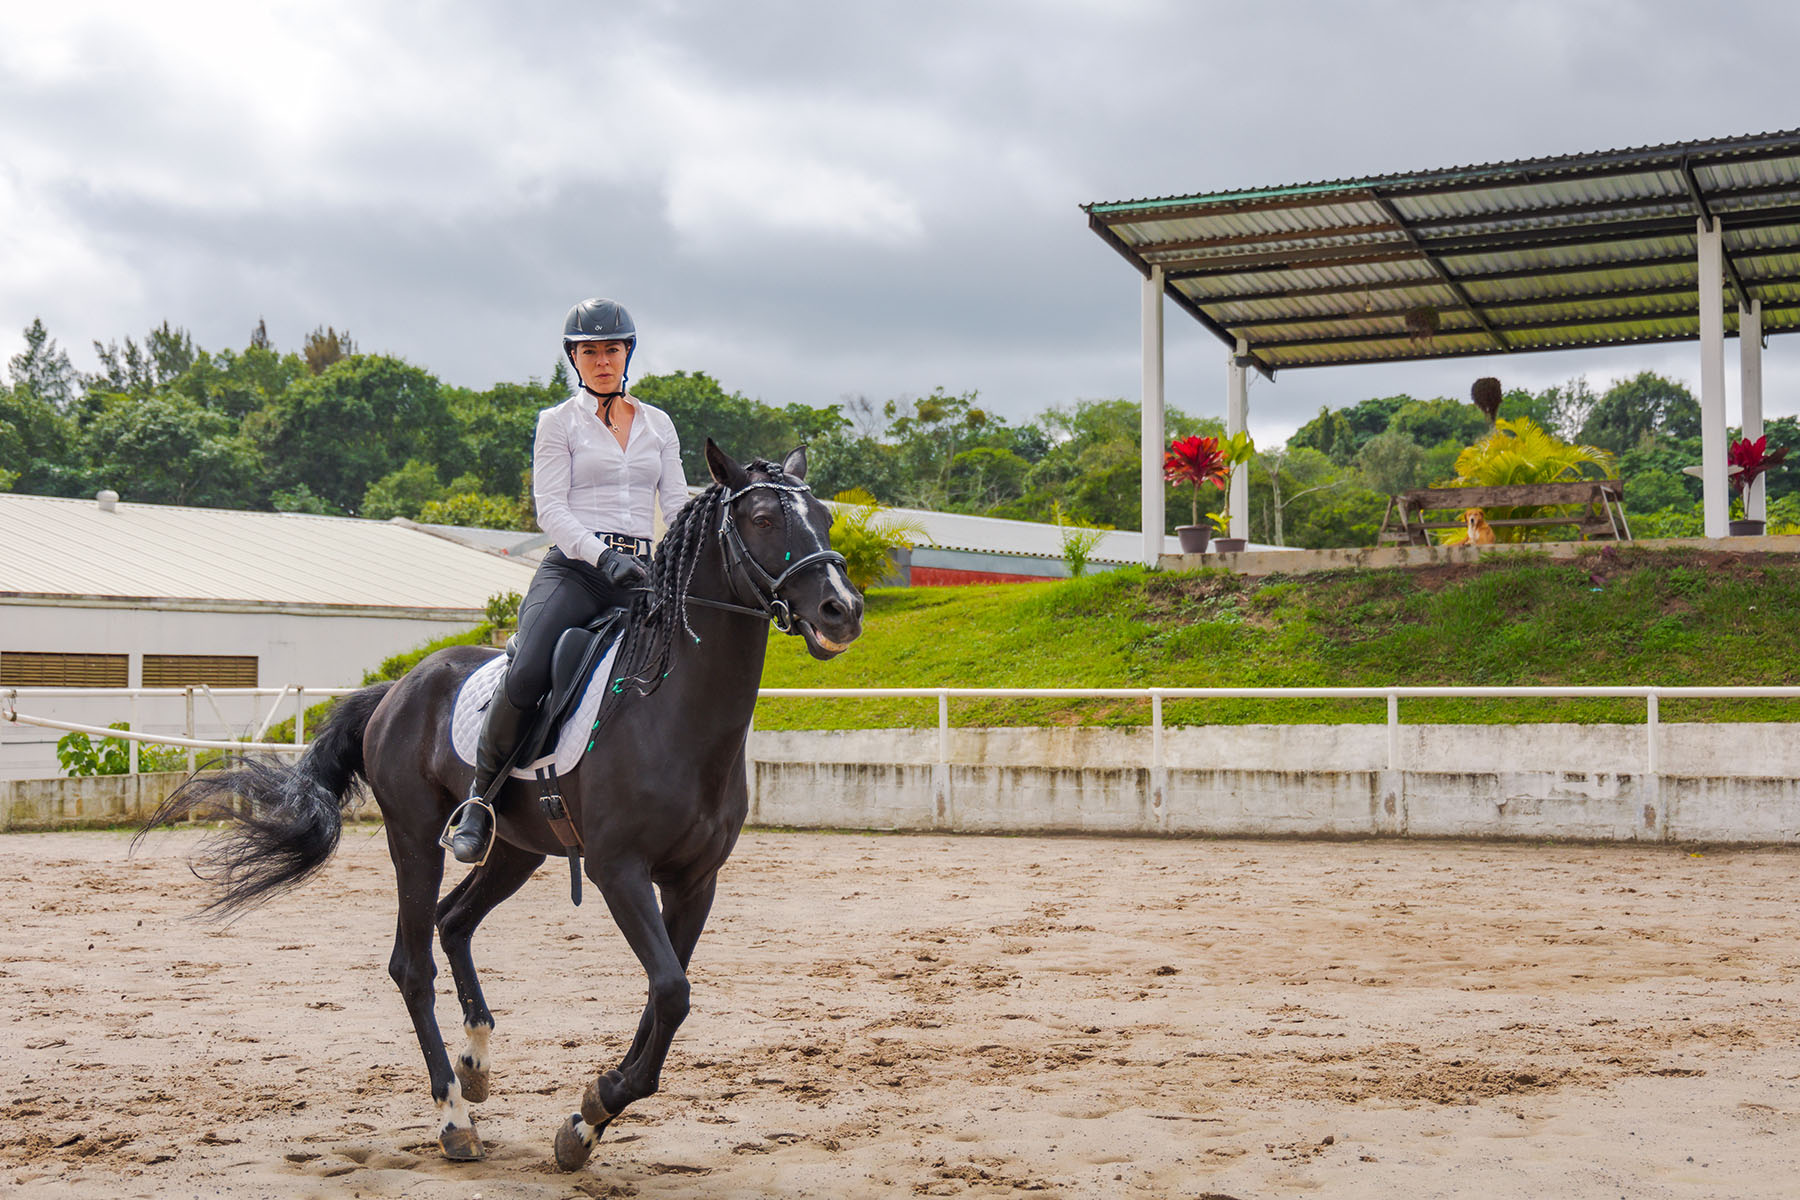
pixel 577 652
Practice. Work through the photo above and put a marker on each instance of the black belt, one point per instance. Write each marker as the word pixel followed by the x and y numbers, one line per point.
pixel 637 547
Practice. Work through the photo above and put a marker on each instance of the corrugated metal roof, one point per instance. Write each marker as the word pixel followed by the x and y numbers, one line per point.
pixel 1025 539
pixel 1549 253
pixel 58 547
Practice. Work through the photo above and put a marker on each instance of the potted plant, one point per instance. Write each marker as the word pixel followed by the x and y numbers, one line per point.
pixel 1195 460
pixel 1749 460
pixel 1235 450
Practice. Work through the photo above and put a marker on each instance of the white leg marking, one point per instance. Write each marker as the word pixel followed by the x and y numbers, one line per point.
pixel 587 1133
pixel 452 1111
pixel 476 1048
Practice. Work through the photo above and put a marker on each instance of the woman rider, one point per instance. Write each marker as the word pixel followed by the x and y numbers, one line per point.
pixel 600 460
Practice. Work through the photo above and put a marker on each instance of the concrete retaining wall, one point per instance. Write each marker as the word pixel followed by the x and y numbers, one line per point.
pixel 1717 783
pixel 85 803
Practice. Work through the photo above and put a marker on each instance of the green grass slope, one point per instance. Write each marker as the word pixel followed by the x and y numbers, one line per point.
pixel 1641 616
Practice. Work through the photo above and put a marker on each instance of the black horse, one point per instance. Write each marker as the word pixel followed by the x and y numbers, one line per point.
pixel 659 802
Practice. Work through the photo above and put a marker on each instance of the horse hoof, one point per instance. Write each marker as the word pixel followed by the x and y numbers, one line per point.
pixel 571 1152
pixel 461 1144
pixel 474 1083
pixel 592 1110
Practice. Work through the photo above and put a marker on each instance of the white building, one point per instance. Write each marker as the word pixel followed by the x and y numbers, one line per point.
pixel 112 594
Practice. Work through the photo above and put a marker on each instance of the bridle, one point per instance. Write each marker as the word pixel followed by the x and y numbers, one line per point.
pixel 763 587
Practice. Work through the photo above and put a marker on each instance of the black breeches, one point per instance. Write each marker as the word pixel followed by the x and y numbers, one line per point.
pixel 564 593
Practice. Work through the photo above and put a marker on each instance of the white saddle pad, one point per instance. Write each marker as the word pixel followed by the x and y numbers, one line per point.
pixel 571 742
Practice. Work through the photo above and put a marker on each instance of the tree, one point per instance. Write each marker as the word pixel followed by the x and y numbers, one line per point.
pixel 1292 474
pixel 1433 422
pixel 1392 462
pixel 340 431
pixel 163 448
pixel 700 409
pixel 325 346
pixel 1635 410
pixel 402 493
pixel 477 511
pixel 34 439
pixel 259 337
pixel 42 368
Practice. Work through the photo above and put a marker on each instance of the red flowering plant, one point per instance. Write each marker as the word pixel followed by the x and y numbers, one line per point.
pixel 1196 460
pixel 1752 458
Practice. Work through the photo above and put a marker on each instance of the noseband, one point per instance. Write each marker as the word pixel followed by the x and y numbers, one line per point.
pixel 764 588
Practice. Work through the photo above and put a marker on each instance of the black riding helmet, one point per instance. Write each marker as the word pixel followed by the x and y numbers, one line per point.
pixel 600 321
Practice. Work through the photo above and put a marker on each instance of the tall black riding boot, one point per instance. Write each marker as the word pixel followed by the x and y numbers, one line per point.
pixel 472 835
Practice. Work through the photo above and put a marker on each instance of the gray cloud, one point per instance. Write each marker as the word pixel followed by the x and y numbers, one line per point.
pixel 806 200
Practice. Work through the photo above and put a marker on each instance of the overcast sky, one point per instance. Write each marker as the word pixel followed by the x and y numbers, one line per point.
pixel 805 200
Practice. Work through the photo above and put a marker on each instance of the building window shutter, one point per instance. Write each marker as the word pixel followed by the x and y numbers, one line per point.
pixel 192 670
pixel 35 668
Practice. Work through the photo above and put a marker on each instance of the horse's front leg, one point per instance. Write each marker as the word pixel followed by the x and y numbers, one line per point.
pixel 663 941
pixel 458 915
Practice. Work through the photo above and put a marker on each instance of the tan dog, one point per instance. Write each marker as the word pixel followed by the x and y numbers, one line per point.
pixel 1480 532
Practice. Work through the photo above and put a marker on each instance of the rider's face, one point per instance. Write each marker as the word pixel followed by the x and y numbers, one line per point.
pixel 601 364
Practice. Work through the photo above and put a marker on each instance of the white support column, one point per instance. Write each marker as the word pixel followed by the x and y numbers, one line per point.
pixel 1237 419
pixel 1756 505
pixel 1716 502
pixel 1151 430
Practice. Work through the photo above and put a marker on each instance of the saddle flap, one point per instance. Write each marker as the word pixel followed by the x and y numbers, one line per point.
pixel 577 653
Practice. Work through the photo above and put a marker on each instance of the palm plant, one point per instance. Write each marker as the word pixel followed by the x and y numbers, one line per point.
pixel 1520 451
pixel 1235 451
pixel 866 539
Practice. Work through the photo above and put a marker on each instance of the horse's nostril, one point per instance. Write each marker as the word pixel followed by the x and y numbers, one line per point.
pixel 832 609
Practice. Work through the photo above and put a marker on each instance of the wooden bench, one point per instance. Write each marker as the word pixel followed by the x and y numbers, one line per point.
pixel 1601 514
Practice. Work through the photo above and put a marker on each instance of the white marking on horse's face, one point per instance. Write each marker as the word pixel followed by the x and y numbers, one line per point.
pixel 840 586
pixel 452 1110
pixel 476 1051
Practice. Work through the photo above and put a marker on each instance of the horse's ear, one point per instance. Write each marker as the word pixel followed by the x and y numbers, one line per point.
pixel 724 468
pixel 795 463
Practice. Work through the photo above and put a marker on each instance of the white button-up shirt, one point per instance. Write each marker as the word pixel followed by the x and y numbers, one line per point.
pixel 585 484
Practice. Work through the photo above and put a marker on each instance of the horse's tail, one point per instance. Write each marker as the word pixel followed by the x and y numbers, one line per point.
pixel 290 825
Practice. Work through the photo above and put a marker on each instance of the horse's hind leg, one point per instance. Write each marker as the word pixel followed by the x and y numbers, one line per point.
pixel 419 870
pixel 458 914
pixel 664 943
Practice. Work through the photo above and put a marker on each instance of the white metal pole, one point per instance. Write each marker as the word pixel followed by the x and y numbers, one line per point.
pixel 1151 431
pixel 1756 507
pixel 187 728
pixel 1716 502
pixel 1237 419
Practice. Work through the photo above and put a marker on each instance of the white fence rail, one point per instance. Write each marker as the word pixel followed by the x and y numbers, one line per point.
pixel 1651 696
pixel 301 696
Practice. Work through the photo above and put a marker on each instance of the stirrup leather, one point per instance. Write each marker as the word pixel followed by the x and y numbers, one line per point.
pixel 444 838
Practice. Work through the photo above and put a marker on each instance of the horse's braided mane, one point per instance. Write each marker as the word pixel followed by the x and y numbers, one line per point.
pixel 658 617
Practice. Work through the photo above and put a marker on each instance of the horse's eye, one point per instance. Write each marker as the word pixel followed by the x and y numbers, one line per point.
pixel 762 522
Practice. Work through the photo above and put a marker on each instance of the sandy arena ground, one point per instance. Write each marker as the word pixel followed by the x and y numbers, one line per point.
pixel 940 1016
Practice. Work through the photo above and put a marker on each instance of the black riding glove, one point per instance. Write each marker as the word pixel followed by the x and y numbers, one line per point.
pixel 621 570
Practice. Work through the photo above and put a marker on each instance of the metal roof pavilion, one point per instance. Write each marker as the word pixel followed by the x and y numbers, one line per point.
pixel 1609 248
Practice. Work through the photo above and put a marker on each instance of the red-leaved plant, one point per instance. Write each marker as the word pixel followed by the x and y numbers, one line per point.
pixel 1752 459
pixel 1196 460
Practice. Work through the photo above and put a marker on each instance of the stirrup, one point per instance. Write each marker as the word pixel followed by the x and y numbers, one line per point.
pixel 444 838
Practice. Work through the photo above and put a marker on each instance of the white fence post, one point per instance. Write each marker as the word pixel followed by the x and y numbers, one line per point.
pixel 941 772
pixel 1159 773
pixel 187 726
